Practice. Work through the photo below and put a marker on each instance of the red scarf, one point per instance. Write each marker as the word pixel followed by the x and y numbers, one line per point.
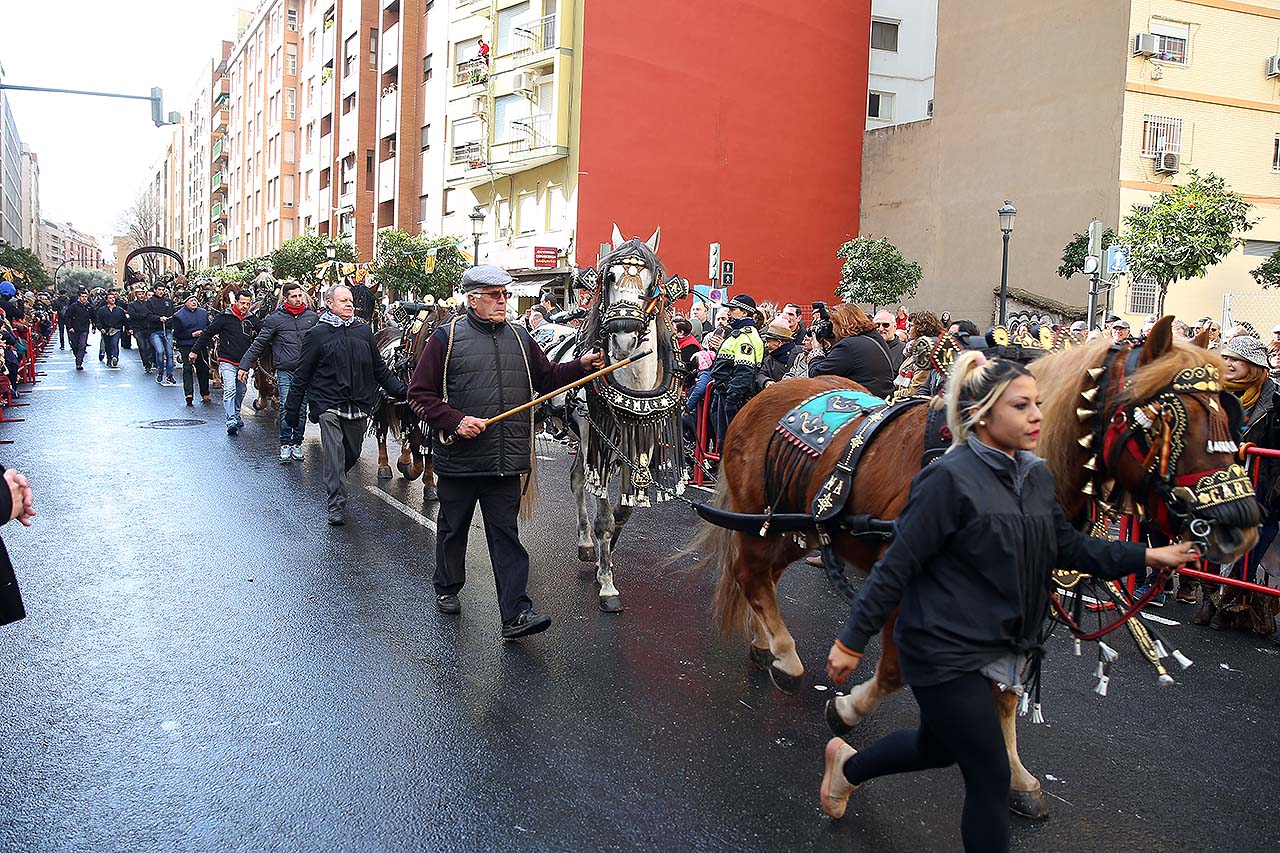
pixel 239 316
pixel 295 311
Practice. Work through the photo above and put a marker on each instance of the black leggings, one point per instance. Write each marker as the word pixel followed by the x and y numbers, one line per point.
pixel 958 725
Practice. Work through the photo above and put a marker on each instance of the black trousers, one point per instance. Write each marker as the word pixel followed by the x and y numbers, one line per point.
pixel 79 343
pixel 499 500
pixel 958 725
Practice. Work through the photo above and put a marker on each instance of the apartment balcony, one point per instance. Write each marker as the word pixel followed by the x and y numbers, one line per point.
pixel 471 153
pixel 326 97
pixel 219 122
pixel 387 4
pixel 533 40
pixel 390 47
pixel 327 41
pixel 466 8
pixel 388 114
pixel 473 72
pixel 322 206
pixel 217 182
pixel 222 88
pixel 219 150
pixel 222 101
pixel 347 134
pixel 325 154
pixel 217 243
pixel 217 212
pixel 387 180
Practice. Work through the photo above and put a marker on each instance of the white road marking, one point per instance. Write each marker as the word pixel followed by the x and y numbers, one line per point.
pixel 49 388
pixel 547 458
pixel 704 488
pixel 404 510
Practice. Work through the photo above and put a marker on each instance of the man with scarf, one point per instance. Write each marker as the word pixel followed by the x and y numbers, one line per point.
pixel 781 353
pixel 474 368
pixel 338 375
pixel 282 332
pixel 737 360
pixel 1248 377
pixel 235 329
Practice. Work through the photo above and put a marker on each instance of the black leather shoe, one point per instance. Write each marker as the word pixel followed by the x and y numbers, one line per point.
pixel 336 519
pixel 525 625
pixel 448 604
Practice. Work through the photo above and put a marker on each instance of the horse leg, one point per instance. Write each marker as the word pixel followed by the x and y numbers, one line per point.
pixel 402 464
pixel 415 462
pixel 761 592
pixel 1025 796
pixel 610 600
pixel 865 698
pixel 759 654
pixel 384 466
pixel 577 481
pixel 429 492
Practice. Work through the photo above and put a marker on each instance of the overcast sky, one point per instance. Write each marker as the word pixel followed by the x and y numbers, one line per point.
pixel 96 152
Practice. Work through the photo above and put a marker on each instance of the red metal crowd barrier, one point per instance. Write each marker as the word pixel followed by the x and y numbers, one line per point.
pixel 701 454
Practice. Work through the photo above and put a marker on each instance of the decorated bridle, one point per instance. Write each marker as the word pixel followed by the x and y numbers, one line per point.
pixel 655 299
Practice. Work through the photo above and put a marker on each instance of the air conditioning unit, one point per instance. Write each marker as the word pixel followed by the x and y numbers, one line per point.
pixel 1168 163
pixel 1273 66
pixel 479 105
pixel 524 81
pixel 1144 44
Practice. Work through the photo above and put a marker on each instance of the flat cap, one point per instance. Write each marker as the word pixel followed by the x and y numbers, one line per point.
pixel 485 275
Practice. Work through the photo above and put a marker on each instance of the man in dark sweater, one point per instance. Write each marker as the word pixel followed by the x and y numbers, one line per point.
pixel 338 375
pixel 140 326
pixel 160 310
pixel 281 335
pixel 472 369
pixel 111 320
pixel 235 329
pixel 78 319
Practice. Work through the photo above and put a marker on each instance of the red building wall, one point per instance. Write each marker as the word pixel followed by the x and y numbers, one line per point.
pixel 739 122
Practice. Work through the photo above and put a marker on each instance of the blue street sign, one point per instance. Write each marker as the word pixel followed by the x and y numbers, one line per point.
pixel 1116 262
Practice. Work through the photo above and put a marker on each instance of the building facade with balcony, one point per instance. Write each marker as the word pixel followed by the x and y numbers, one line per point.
pixel 67 244
pixel 31 220
pixel 10 174
pixel 1154 89
pixel 206 151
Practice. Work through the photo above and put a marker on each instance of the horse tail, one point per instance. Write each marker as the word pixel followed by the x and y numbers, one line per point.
pixel 720 547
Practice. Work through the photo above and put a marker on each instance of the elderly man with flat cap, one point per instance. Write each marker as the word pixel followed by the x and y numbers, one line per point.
pixel 473 368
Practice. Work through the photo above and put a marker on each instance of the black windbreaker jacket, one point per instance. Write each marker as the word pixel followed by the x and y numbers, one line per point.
pixel 340 366
pixel 970 568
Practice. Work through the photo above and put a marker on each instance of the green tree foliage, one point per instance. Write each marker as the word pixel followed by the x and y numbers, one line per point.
pixel 875 273
pixel 1186 230
pixel 1074 253
pixel 71 279
pixel 402 261
pixel 1267 273
pixel 26 262
pixel 298 258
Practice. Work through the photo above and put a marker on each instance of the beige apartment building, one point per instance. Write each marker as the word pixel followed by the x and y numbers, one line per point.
pixel 31 221
pixel 205 150
pixel 1144 91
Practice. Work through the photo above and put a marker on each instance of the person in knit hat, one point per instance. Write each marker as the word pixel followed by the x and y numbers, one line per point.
pixel 737 361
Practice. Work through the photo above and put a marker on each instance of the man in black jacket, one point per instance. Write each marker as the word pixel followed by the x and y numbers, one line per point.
pixel 338 375
pixel 281 334
pixel 110 320
pixel 78 319
pixel 140 326
pixel 235 329
pixel 15 503
pixel 474 368
pixel 60 303
pixel 160 310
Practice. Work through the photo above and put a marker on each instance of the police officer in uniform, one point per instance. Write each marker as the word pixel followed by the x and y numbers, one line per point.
pixel 475 367
pixel 736 363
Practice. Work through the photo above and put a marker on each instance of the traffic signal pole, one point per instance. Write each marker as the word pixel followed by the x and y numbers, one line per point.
pixel 156 98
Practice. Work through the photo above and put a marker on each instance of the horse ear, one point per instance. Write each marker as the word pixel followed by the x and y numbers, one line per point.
pixel 653 241
pixel 617 237
pixel 1159 340
pixel 1202 340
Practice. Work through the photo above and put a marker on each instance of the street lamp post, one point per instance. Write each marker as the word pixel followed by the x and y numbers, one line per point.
pixel 477 224
pixel 1007 212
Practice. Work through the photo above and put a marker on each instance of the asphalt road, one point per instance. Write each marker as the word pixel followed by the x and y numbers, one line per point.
pixel 207 665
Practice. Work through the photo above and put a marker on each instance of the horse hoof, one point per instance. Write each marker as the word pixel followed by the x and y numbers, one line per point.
pixel 403 469
pixel 789 684
pixel 587 553
pixel 1033 805
pixel 611 603
pixel 760 658
pixel 834 721
pixel 384 472
pixel 430 494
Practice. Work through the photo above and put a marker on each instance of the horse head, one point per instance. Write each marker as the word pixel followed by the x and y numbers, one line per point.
pixel 1150 430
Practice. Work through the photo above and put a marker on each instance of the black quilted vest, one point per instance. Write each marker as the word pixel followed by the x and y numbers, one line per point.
pixel 486 372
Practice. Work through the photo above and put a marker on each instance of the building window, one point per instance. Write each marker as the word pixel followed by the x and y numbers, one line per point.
pixel 292 18
pixel 291 61
pixel 368 168
pixel 506 27
pixel 527 213
pixel 291 104
pixel 880 105
pixel 466 141
pixel 426 68
pixel 446 205
pixel 1171 41
pixel 504 111
pixel 884 35
pixel 1142 296
pixel 1275 154
pixel 467 65
pixel 348 175
pixel 373 48
pixel 426 137
pixel 351 52
pixel 1161 135
pixel 422 208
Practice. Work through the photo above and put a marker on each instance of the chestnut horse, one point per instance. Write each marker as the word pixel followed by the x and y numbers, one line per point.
pixel 751 565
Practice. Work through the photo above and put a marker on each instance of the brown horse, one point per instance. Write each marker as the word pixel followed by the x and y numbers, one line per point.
pixel 750 565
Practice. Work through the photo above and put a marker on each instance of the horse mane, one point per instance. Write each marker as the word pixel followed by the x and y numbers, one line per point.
pixel 1062 376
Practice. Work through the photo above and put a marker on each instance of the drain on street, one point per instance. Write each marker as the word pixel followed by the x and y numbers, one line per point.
pixel 172 423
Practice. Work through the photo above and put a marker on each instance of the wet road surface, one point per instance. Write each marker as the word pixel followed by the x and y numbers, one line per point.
pixel 207 665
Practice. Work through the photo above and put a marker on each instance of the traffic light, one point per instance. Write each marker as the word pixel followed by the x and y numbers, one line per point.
pixel 157 106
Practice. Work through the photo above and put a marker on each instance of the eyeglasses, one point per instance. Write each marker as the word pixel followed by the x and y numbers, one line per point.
pixel 884 325
pixel 496 295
